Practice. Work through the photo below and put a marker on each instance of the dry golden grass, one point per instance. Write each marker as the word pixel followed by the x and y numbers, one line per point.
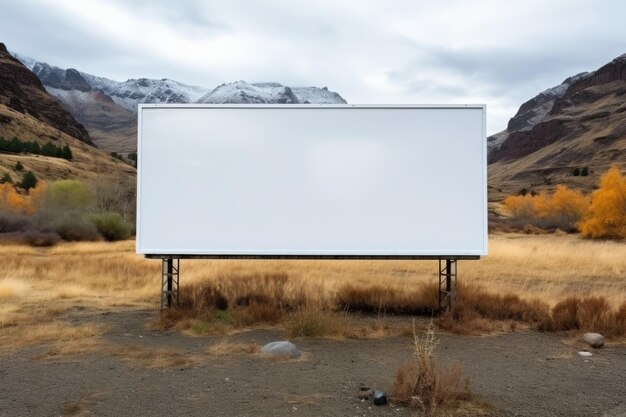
pixel 312 322
pixel 12 288
pixel 67 338
pixel 37 285
pixel 147 357
pixel 226 348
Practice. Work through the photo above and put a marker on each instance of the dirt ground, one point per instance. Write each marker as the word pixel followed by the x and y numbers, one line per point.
pixel 139 372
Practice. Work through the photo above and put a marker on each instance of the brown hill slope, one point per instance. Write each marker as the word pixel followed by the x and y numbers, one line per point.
pixel 111 127
pixel 581 123
pixel 22 91
pixel 29 113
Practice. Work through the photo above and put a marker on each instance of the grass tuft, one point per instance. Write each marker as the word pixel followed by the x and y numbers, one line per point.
pixel 311 322
pixel 424 385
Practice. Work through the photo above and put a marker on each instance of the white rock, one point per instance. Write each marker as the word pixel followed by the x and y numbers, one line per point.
pixel 595 340
pixel 584 354
pixel 281 349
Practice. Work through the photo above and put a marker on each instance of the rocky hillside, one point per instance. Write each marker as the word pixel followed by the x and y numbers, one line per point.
pixel 578 124
pixel 22 92
pixel 29 113
pixel 108 108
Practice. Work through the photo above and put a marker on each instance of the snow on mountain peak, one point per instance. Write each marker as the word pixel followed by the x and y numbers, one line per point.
pixel 128 94
pixel 269 92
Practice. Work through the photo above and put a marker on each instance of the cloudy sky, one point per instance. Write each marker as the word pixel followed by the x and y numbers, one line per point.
pixel 397 51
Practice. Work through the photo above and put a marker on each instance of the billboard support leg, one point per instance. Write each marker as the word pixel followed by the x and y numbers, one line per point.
pixel 447 284
pixel 170 268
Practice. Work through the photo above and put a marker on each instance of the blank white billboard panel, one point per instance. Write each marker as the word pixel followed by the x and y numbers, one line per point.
pixel 312 180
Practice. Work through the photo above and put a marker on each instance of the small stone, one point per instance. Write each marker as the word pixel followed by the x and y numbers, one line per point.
pixel 281 349
pixel 584 354
pixel 380 398
pixel 595 340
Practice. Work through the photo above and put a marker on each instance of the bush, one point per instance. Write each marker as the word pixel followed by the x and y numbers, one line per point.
pixel 314 322
pixel 587 314
pixel 563 209
pixel 111 226
pixel 607 214
pixel 41 239
pixel 6 179
pixel 19 166
pixel 68 195
pixel 29 181
pixel 422 384
pixel 521 206
pixel 14 223
pixel 379 298
pixel 66 153
pixel 74 230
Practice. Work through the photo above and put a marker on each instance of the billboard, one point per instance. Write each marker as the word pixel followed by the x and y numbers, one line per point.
pixel 312 180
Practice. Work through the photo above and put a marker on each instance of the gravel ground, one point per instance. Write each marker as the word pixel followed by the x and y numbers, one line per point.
pixel 521 374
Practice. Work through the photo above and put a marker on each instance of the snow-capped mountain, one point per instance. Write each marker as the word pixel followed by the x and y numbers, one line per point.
pixel 243 92
pixel 143 90
pixel 127 93
pixel 130 93
pixel 108 108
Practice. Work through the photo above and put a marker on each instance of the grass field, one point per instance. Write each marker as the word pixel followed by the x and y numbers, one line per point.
pixel 38 284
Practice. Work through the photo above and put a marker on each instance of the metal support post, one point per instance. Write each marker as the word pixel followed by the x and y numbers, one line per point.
pixel 170 268
pixel 447 284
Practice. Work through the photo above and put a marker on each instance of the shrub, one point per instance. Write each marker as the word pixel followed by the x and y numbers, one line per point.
pixel 477 300
pixel 202 296
pixel 314 322
pixel 6 179
pixel 257 313
pixel 10 222
pixel 584 172
pixel 19 166
pixel 563 209
pixel 13 201
pixel 576 172
pixel 69 195
pixel 422 384
pixel 587 314
pixel 118 195
pixel 66 153
pixel 111 226
pixel 29 181
pixel 41 239
pixel 72 229
pixel 377 298
pixel 607 214
pixel 521 206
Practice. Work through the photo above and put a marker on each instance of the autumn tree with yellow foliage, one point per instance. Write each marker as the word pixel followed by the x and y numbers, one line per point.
pixel 562 209
pixel 607 214
pixel 12 201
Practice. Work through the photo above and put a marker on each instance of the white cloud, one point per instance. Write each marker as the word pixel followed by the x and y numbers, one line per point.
pixel 395 51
